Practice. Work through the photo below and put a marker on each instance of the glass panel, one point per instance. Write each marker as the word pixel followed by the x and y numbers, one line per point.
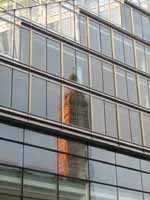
pixel 129 52
pixel 115 13
pixel 72 166
pixel 21 47
pixel 38 99
pixel 96 73
pixel 76 108
pixel 11 153
pixel 101 154
pixel 128 194
pixel 118 47
pixel 10 182
pixel 103 192
pixel 129 178
pixel 98 115
pixel 104 9
pixel 11 132
pixel 147 52
pixel 8 197
pixel 39 139
pixel 146 123
pixel 38 51
pixel 94 36
pixel 111 120
pixel 39 185
pixel 132 88
pixel 102 173
pixel 108 77
pixel 20 91
pixel 137 22
pixel 92 6
pixel 82 72
pixel 144 94
pixel 126 17
pixel 146 182
pixel 124 124
pixel 47 161
pixel 39 15
pixel 121 84
pixel 146 27
pixel 5 80
pixel 83 30
pixel 53 101
pixel 53 57
pixel 70 189
pixel 140 57
pixel 106 41
pixel 135 127
pixel 145 165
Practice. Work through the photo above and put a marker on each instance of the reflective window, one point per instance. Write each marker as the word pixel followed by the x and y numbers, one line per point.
pixel 126 17
pixel 98 115
pixel 128 194
pixel 145 165
pixel 99 191
pixel 124 123
pixel 102 173
pixel 147 52
pixel 38 51
pixel 11 153
pixel 111 120
pixel 76 108
pixel 115 13
pixel 146 182
pixel 53 101
pixel 47 161
pixel 135 127
pixel 96 73
pixel 129 178
pixel 121 84
pixel 72 166
pixel 129 52
pixel 94 36
pixel 108 78
pixel 140 57
pixel 146 27
pixel 53 57
pixel 39 139
pixel 5 80
pixel 20 91
pixel 146 123
pixel 83 30
pixel 106 41
pixel 38 98
pixel 132 88
pixel 118 48
pixel 137 22
pixel 144 93
pixel 39 185
pixel 72 189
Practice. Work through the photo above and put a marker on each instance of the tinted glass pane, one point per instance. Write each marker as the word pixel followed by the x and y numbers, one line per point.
pixel 11 153
pixel 82 68
pixel 5 91
pixel 103 173
pixel 38 51
pixel 111 120
pixel 20 91
pixel 118 42
pixel 53 57
pixel 99 192
pixel 140 57
pixel 129 178
pixel 72 166
pixel 121 84
pixel 98 115
pixel 71 189
pixel 146 182
pixel 126 17
pixel 108 78
pixel 11 132
pixel 132 88
pixel 94 36
pixel 137 23
pixel 38 98
pixel 83 30
pixel 128 194
pixel 106 41
pixel 146 125
pixel 146 27
pixel 39 139
pixel 145 165
pixel 8 197
pixel 53 101
pixel 147 52
pixel 96 72
pixel 144 94
pixel 124 124
pixel 129 52
pixel 76 108
pixel 39 185
pixel 135 127
pixel 47 161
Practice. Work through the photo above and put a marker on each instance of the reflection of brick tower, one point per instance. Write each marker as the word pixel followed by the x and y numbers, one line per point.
pixel 75 113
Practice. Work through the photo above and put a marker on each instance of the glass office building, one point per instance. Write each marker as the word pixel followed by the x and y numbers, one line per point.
pixel 75 100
